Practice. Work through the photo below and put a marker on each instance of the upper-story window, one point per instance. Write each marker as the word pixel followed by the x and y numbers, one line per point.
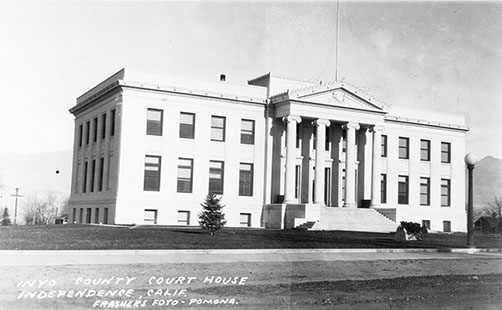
pixel 154 122
pixel 80 135
pixel 425 150
pixel 217 128
pixel 445 192
pixel 103 126
pixel 112 122
pixel 187 125
pixel 95 133
pixel 425 192
pixel 445 152
pixel 87 131
pixel 404 148
pixel 247 131
pixel 383 146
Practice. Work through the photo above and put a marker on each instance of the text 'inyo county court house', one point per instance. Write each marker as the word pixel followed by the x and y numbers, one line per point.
pixel 282 152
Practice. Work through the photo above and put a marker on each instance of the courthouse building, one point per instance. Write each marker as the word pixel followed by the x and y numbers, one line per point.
pixel 282 152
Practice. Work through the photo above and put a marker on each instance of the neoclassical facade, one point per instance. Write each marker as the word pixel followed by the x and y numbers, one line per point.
pixel 282 152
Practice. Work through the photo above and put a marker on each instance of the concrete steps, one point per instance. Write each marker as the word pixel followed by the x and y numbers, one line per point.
pixel 368 220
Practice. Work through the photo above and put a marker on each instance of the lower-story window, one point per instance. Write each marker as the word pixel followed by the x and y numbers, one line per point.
pixel 150 216
pixel 88 216
pixel 403 190
pixel 246 179
pixel 245 220
pixel 184 218
pixel 216 177
pixel 383 188
pixel 96 216
pixel 427 224
pixel 81 215
pixel 105 216
pixel 74 215
pixel 446 226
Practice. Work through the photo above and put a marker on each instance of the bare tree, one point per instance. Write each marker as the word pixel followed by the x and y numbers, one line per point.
pixel 39 211
pixel 494 208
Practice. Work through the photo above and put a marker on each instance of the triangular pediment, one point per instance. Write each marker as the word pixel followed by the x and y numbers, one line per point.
pixel 340 97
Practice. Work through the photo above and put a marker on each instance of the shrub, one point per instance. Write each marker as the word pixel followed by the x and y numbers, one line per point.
pixel 414 229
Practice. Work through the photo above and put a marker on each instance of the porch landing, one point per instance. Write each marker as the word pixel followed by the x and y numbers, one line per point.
pixel 317 217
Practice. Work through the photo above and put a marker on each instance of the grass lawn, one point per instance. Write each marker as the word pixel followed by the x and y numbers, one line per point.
pixel 90 237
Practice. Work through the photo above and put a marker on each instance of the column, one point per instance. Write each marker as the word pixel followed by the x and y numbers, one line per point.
pixel 350 165
pixel 321 125
pixel 289 193
pixel 376 166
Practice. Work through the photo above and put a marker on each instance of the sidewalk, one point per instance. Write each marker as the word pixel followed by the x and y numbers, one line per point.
pixel 118 257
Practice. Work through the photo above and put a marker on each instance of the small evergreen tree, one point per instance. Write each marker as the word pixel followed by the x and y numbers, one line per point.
pixel 211 217
pixel 5 217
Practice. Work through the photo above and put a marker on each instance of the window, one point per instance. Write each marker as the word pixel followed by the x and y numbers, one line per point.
pixel 112 123
pixel 185 175
pixel 184 218
pixel 446 226
pixel 108 176
pixel 103 126
pixel 150 216
pixel 383 147
pixel 80 134
pixel 101 173
pixel 425 193
pixel 402 190
pixel 74 215
pixel 93 174
pixel 245 220
pixel 426 224
pixel 105 216
pixel 445 152
pixel 84 183
pixel 152 173
pixel 247 131
pixel 96 216
pixel 404 144
pixel 425 150
pixel 88 216
pixel 81 215
pixel 445 192
pixel 246 180
pixel 187 125
pixel 217 128
pixel 154 122
pixel 95 128
pixel 87 132
pixel 216 177
pixel 383 188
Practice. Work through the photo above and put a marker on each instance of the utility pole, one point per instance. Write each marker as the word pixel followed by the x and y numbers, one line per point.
pixel 15 209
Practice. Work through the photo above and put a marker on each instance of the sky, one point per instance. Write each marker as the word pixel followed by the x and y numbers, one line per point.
pixel 443 56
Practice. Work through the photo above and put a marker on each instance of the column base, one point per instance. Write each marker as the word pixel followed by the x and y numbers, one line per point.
pixel 349 205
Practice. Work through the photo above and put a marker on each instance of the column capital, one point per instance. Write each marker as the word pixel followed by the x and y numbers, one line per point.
pixel 292 118
pixel 377 128
pixel 351 125
pixel 321 122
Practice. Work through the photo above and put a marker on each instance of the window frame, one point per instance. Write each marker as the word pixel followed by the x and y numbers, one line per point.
pixel 155 188
pixel 95 132
pixel 427 224
pixel 383 146
pixel 403 196
pixel 184 223
pixel 87 132
pixel 113 115
pixel 446 228
pixel 190 181
pixel 247 223
pixel 447 152
pixel 383 188
pixel 246 187
pixel 427 150
pixel 221 180
pixel 154 127
pixel 250 134
pixel 80 135
pixel 406 148
pixel 425 181
pixel 103 126
pixel 222 128
pixel 148 221
pixel 448 194
pixel 191 126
